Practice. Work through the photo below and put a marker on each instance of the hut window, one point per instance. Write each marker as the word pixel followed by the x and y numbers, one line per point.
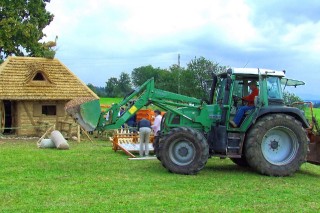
pixel 49 110
pixel 39 77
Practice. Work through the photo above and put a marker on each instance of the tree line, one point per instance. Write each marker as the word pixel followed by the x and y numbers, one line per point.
pixel 190 80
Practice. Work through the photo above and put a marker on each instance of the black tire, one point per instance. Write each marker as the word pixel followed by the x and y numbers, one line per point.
pixel 156 147
pixel 184 151
pixel 276 145
pixel 240 161
pixel 165 138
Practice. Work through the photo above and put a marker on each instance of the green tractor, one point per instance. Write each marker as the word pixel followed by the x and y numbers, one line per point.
pixel 272 138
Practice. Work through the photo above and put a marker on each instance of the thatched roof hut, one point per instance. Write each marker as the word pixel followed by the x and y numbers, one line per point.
pixel 33 92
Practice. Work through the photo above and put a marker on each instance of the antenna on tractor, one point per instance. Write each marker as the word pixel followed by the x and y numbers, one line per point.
pixel 246 64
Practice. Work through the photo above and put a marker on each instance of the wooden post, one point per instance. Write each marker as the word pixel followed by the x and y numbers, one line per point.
pixel 44 135
pixel 84 132
pixel 78 134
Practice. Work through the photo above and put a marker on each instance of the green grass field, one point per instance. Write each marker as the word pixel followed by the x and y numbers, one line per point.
pixel 110 101
pixel 91 177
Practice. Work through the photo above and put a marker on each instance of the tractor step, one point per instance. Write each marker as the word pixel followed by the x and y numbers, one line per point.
pixel 234 144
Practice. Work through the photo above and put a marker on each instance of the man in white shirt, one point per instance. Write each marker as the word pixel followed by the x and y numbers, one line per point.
pixel 157 122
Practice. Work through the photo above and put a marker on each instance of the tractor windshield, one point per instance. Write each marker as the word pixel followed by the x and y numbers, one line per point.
pixel 220 90
pixel 274 88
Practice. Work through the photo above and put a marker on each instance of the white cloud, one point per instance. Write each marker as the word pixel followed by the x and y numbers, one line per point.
pixel 101 38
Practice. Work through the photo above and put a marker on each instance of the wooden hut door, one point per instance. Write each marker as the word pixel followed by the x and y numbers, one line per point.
pixel 2 117
pixel 7 116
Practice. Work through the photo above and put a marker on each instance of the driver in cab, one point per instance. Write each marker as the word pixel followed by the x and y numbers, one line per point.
pixel 250 104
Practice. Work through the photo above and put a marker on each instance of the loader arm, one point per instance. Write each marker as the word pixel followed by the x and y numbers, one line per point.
pixel 142 96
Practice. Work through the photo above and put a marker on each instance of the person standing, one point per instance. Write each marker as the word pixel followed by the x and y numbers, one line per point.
pixel 132 121
pixel 144 127
pixel 157 122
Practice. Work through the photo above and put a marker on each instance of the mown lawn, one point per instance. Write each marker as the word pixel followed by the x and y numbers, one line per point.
pixel 91 177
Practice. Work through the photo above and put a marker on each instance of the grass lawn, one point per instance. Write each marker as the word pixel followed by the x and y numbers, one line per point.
pixel 91 177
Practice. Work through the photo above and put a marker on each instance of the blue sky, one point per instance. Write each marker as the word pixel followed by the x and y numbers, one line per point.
pixel 99 39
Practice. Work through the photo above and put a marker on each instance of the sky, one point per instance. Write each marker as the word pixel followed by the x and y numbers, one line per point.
pixel 99 39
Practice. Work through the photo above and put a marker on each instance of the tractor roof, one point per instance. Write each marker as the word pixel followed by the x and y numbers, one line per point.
pixel 255 71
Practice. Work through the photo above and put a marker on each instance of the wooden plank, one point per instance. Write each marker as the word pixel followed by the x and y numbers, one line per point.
pixel 78 134
pixel 85 132
pixel 126 151
pixel 44 135
pixel 143 158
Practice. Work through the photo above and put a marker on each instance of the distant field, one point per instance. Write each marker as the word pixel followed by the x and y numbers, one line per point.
pixel 107 102
pixel 316 113
pixel 110 101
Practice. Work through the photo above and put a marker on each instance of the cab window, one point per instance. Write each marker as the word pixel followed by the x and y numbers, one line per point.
pixel 274 88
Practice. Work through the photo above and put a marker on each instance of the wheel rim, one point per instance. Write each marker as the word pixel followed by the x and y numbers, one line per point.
pixel 182 152
pixel 279 145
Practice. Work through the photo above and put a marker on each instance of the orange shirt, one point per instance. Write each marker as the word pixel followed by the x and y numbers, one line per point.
pixel 250 98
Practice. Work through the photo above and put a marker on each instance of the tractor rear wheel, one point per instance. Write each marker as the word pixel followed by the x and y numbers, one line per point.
pixel 184 151
pixel 276 145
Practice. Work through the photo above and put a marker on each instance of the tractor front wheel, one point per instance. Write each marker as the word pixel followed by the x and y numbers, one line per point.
pixel 184 151
pixel 276 145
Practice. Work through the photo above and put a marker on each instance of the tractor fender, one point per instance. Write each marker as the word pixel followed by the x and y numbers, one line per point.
pixel 292 111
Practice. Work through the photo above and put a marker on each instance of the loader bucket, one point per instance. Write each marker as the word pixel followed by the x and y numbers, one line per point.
pixel 314 150
pixel 86 112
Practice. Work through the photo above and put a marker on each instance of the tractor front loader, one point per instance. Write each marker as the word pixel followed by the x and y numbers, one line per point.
pixel 274 139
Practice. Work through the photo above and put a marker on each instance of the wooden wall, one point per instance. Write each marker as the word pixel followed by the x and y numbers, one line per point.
pixel 31 121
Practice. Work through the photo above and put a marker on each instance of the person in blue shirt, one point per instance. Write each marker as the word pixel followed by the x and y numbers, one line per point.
pixel 144 127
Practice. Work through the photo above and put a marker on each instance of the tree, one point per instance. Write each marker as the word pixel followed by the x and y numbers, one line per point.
pixel 93 88
pixel 190 81
pixel 124 84
pixel 198 72
pixel 290 98
pixel 168 79
pixel 112 87
pixel 142 74
pixel 21 24
pixel 118 87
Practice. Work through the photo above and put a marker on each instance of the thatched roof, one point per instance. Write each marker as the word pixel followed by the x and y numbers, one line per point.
pixel 29 78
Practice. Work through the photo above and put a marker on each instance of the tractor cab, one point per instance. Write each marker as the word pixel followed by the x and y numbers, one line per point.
pixel 234 84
